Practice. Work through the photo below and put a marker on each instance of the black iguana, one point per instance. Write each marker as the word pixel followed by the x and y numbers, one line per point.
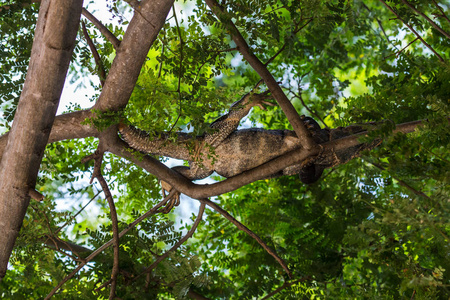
pixel 235 151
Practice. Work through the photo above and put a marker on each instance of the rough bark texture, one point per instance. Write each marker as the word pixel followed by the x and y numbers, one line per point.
pixel 52 49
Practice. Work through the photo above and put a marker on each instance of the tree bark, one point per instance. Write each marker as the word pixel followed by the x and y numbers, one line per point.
pixel 50 57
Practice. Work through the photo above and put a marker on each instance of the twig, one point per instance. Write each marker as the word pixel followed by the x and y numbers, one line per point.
pixel 180 71
pixel 242 227
pixel 300 97
pixel 287 107
pixel 78 212
pixel 105 31
pixel 401 50
pixel 150 212
pixel 412 29
pixel 98 60
pixel 178 244
pixel 436 26
pixel 104 284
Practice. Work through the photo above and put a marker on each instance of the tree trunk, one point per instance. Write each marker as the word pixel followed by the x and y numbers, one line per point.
pixel 50 56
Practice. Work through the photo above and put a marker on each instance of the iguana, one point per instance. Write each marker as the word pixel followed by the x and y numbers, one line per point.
pixel 229 151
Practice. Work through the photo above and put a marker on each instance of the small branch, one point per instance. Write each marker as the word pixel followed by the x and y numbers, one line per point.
pixel 287 107
pixel 152 211
pixel 98 60
pixel 436 26
pixel 35 195
pixel 78 212
pixel 401 50
pixel 105 31
pixel 103 285
pixel 442 11
pixel 178 244
pixel 242 227
pixel 115 226
pixel 300 97
pixel 54 242
pixel 412 29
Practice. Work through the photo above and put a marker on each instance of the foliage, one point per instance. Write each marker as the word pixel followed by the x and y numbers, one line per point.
pixel 374 228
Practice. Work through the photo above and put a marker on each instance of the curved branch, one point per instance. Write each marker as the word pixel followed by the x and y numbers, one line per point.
pixel 105 31
pixel 242 227
pixel 115 222
pixel 97 59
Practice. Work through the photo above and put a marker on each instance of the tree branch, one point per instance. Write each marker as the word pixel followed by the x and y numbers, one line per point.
pixel 287 107
pixel 441 10
pixel 105 31
pixel 140 35
pixel 436 26
pixel 242 227
pixel 402 183
pixel 97 59
pixel 412 29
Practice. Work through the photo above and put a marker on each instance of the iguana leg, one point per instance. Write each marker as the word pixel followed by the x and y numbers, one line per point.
pixel 228 123
pixel 192 173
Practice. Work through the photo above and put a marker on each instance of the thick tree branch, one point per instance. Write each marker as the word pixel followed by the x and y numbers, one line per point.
pixel 53 44
pixel 105 31
pixel 287 107
pixel 242 227
pixel 183 185
pixel 140 35
pixel 99 250
pixel 65 127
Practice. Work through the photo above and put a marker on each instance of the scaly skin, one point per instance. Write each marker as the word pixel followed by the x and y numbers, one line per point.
pixel 229 151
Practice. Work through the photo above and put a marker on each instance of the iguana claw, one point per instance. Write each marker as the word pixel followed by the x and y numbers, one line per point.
pixel 173 201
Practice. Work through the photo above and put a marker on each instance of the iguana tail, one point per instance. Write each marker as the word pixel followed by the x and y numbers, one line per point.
pixel 156 144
